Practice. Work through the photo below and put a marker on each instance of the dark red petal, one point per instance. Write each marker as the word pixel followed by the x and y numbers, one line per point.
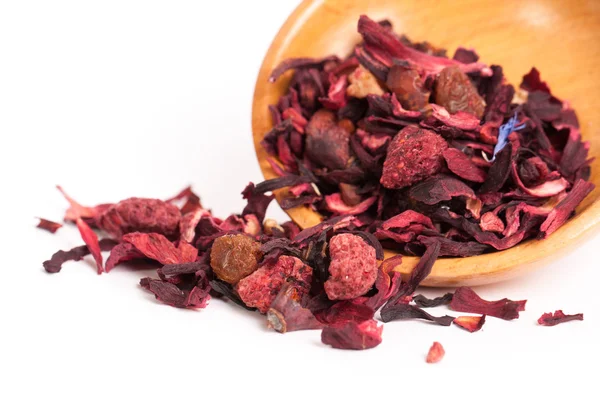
pixel 470 323
pixel 436 353
pixel 91 240
pixel 550 319
pixel 402 311
pixel 54 264
pixel 424 302
pixel 336 205
pixel 121 253
pixel 407 218
pixel 345 311
pixel 565 208
pixel 466 300
pixel 155 246
pixel 460 164
pixel 48 225
pixel 353 336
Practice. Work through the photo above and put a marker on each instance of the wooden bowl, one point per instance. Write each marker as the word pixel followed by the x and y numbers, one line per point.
pixel 560 38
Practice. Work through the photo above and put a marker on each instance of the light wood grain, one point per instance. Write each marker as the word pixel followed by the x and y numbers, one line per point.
pixel 560 38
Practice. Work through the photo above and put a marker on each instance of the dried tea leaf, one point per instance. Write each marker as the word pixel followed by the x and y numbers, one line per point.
pixel 403 311
pixel 424 302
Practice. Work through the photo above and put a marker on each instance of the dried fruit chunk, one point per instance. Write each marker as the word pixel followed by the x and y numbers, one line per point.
pixel 455 92
pixel 287 315
pixel 353 336
pixel 408 86
pixel 140 215
pixel 353 267
pixel 327 144
pixel 363 83
pixel 413 155
pixel 260 288
pixel 436 353
pixel 234 257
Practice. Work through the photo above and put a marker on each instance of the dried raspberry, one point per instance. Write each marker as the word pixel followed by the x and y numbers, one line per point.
pixel 455 92
pixel 353 267
pixel 234 257
pixel 413 155
pixel 261 287
pixel 327 144
pixel 140 215
pixel 408 86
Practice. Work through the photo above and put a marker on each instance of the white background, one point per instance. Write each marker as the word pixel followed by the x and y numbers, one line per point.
pixel 114 99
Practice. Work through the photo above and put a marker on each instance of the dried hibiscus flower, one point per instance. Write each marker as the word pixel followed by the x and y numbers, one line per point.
pixel 353 336
pixel 558 317
pixel 466 300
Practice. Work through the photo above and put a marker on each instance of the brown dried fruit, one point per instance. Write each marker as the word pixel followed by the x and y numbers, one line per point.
pixel 327 144
pixel 363 83
pixel 455 91
pixel 413 155
pixel 408 86
pixel 234 257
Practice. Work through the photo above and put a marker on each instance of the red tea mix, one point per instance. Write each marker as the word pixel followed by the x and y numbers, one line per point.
pixel 397 146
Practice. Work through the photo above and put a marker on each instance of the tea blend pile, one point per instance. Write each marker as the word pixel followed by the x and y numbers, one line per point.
pixel 398 147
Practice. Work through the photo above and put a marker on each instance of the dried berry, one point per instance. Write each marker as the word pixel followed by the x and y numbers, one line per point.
pixel 260 288
pixel 406 83
pixel 327 144
pixel 413 155
pixel 455 92
pixel 436 353
pixel 353 267
pixel 234 257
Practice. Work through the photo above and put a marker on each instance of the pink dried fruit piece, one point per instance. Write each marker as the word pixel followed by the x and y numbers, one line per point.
pixel 406 83
pixel 353 267
pixel 413 155
pixel 234 257
pixel 286 314
pixel 363 83
pixel 470 323
pixel 558 317
pixel 327 143
pixel 455 92
pixel 260 288
pixel 353 336
pixel 140 215
pixel 436 353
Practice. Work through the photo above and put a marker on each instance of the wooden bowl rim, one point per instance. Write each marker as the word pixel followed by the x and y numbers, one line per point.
pixel 475 270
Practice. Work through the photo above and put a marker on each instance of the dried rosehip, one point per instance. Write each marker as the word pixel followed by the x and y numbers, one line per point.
pixel 413 155
pixel 234 257
pixel 260 288
pixel 363 83
pixel 327 143
pixel 353 267
pixel 408 86
pixel 455 92
pixel 140 215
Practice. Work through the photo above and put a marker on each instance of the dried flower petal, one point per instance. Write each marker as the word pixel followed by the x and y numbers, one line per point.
pixel 403 311
pixel 121 253
pixel 466 300
pixel 424 302
pixel 353 336
pixel 155 246
pixel 436 353
pixel 470 322
pixel 54 264
pixel 558 317
pixel 439 188
pixel 559 215
pixel 91 240
pixel 460 164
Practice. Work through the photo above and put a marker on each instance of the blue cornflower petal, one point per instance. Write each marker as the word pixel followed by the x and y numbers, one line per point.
pixel 503 133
